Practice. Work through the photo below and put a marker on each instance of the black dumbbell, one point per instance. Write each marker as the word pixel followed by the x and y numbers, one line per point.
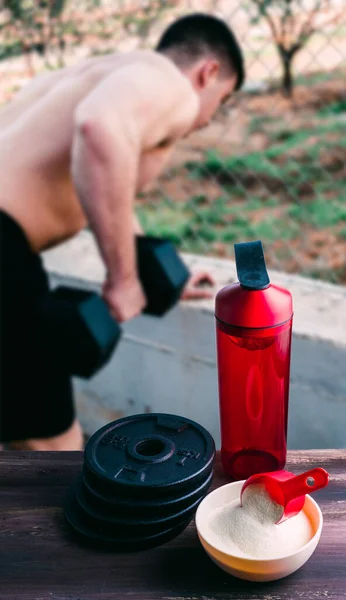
pixel 76 326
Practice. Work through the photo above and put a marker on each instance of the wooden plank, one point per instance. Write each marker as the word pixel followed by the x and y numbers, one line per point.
pixel 40 560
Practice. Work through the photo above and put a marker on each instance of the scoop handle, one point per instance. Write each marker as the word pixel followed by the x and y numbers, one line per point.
pixel 307 482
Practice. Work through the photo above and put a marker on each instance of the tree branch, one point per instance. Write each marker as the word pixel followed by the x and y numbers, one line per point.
pixel 305 35
pixel 271 23
pixel 285 22
pixel 308 26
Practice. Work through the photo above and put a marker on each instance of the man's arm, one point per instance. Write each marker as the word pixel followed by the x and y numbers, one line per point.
pixel 130 112
pixel 104 169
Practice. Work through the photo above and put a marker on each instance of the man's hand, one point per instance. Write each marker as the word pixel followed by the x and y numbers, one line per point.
pixel 137 227
pixel 193 289
pixel 124 298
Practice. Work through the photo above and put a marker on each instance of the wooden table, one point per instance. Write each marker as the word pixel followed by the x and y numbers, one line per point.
pixel 39 560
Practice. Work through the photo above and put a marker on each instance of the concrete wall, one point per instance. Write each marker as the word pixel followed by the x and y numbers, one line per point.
pixel 169 364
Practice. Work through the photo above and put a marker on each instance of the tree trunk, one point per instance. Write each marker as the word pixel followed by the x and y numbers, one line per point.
pixel 287 78
pixel 287 56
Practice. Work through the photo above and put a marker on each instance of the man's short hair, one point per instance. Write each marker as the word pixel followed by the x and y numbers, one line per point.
pixel 198 34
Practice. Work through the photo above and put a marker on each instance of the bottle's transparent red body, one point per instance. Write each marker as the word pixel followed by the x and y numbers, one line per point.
pixel 253 377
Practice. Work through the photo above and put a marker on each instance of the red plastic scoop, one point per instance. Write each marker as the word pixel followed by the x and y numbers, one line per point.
pixel 287 489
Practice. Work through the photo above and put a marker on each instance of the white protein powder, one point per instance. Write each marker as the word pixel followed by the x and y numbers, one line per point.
pixel 258 503
pixel 250 530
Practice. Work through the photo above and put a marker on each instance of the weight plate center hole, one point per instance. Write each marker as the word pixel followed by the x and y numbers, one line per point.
pixel 150 447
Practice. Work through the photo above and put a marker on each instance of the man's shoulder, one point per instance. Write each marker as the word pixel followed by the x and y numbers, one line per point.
pixel 147 75
pixel 168 86
pixel 154 58
pixel 165 67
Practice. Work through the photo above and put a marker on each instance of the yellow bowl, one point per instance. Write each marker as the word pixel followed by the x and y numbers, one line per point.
pixel 254 569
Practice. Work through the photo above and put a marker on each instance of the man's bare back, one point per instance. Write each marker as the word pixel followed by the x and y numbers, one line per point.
pixel 39 134
pixel 76 146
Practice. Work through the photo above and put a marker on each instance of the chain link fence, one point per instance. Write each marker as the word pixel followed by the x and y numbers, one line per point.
pixel 271 165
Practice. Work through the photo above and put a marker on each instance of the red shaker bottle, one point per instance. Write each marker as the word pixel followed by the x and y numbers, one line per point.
pixel 253 336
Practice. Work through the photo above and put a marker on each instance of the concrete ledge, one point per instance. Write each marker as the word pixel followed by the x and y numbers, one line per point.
pixel 173 359
pixel 319 308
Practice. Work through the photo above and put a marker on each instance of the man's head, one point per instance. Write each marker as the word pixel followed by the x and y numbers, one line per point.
pixel 206 50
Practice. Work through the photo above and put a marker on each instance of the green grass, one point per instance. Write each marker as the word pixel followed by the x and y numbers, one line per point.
pixel 320 213
pixel 316 78
pixel 336 108
pixel 271 229
pixel 275 164
pixel 10 50
pixel 224 220
pixel 197 224
pixel 260 123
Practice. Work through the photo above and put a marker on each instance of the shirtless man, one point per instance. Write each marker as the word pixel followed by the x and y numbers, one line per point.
pixel 76 146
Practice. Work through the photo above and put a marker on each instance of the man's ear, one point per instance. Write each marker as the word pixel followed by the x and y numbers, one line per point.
pixel 208 72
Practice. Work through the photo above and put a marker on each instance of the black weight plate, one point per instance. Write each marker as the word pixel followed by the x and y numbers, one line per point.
pixel 150 452
pixel 101 536
pixel 125 525
pixel 146 495
pixel 159 506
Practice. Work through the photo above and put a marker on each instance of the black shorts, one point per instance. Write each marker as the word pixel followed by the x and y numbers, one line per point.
pixel 36 399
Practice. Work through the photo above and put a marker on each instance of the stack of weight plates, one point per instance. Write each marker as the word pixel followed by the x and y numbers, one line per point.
pixel 142 480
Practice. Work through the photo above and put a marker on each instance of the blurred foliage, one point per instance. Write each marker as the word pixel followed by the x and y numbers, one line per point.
pixel 49 27
pixel 291 24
